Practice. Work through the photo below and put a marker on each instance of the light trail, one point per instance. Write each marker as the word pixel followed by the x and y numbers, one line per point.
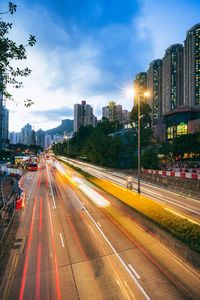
pixel 103 173
pixel 27 254
pixel 52 194
pixel 54 252
pixel 37 288
pixel 115 252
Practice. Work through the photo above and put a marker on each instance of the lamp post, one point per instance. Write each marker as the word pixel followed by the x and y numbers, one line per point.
pixel 145 94
pixel 131 92
pixel 139 150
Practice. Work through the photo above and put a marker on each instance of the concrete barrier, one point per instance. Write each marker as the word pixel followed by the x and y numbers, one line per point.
pixel 190 188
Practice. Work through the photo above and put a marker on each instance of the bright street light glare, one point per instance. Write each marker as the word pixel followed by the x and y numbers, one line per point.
pixel 146 94
pixel 129 92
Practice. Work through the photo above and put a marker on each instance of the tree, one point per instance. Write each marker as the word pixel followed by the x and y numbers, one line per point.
pixel 9 52
pixel 145 111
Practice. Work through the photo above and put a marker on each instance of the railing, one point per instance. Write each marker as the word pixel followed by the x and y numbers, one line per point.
pixel 10 171
pixel 173 174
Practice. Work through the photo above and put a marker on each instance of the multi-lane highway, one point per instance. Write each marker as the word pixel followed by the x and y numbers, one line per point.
pixel 74 242
pixel 179 203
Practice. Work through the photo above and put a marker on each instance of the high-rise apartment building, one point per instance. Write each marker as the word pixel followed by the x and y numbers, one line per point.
pixel 172 78
pixel 140 87
pixel 112 112
pixel 27 135
pixel 83 115
pixel 154 87
pixel 40 138
pixel 14 137
pixel 57 138
pixel 4 119
pixel 125 116
pixel 48 141
pixel 192 67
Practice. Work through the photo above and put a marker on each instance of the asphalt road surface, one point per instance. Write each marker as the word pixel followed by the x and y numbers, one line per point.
pixel 74 243
pixel 181 204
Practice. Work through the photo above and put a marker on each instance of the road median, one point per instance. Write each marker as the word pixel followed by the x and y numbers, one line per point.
pixel 180 233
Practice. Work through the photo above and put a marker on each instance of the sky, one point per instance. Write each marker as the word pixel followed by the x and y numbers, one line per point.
pixel 89 50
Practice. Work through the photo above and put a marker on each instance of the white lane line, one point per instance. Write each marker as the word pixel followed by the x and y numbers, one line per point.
pixel 52 194
pixel 99 224
pixel 115 252
pixel 62 241
pixel 134 271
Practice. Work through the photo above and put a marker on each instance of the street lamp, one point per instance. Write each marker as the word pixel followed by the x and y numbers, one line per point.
pixel 145 94
pixel 130 92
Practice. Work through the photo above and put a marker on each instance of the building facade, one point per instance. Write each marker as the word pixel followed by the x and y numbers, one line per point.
pixel 57 138
pixel 182 120
pixel 140 87
pixel 154 86
pixel 28 136
pixel 192 67
pixel 112 112
pixel 4 119
pixel 40 138
pixel 48 141
pixel 83 115
pixel 172 78
pixel 14 137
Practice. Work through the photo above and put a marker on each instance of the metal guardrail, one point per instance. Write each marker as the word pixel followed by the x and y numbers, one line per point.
pixel 8 171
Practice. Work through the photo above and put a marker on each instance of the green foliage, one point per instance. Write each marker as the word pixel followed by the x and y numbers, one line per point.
pixel 183 144
pixel 149 158
pixel 145 111
pixel 9 52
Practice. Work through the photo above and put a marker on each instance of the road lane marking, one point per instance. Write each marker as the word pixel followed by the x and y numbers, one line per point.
pixel 115 252
pixel 62 241
pixel 134 271
pixel 52 194
pixel 99 224
pixel 57 283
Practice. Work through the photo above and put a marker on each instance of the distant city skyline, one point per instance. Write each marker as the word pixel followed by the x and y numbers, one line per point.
pixel 93 57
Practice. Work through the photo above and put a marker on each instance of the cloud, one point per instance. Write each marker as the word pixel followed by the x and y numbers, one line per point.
pixel 90 52
pixel 63 76
pixel 54 114
pixel 163 23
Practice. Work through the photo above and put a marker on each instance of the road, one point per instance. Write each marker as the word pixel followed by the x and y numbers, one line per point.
pixel 74 243
pixel 181 204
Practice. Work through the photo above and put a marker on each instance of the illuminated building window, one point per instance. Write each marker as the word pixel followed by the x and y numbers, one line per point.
pixel 181 129
pixel 170 133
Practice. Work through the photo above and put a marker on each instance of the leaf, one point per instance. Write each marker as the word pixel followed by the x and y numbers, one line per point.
pixel 12 7
pixel 28 103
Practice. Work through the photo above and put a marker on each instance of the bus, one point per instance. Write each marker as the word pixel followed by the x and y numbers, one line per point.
pixel 33 166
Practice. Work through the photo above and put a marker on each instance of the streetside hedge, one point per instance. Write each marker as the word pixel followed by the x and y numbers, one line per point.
pixel 179 227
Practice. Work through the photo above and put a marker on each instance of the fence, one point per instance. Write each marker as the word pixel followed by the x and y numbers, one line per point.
pixel 10 171
pixel 188 175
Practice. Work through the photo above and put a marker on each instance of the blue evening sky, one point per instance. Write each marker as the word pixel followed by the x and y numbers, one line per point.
pixel 90 50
